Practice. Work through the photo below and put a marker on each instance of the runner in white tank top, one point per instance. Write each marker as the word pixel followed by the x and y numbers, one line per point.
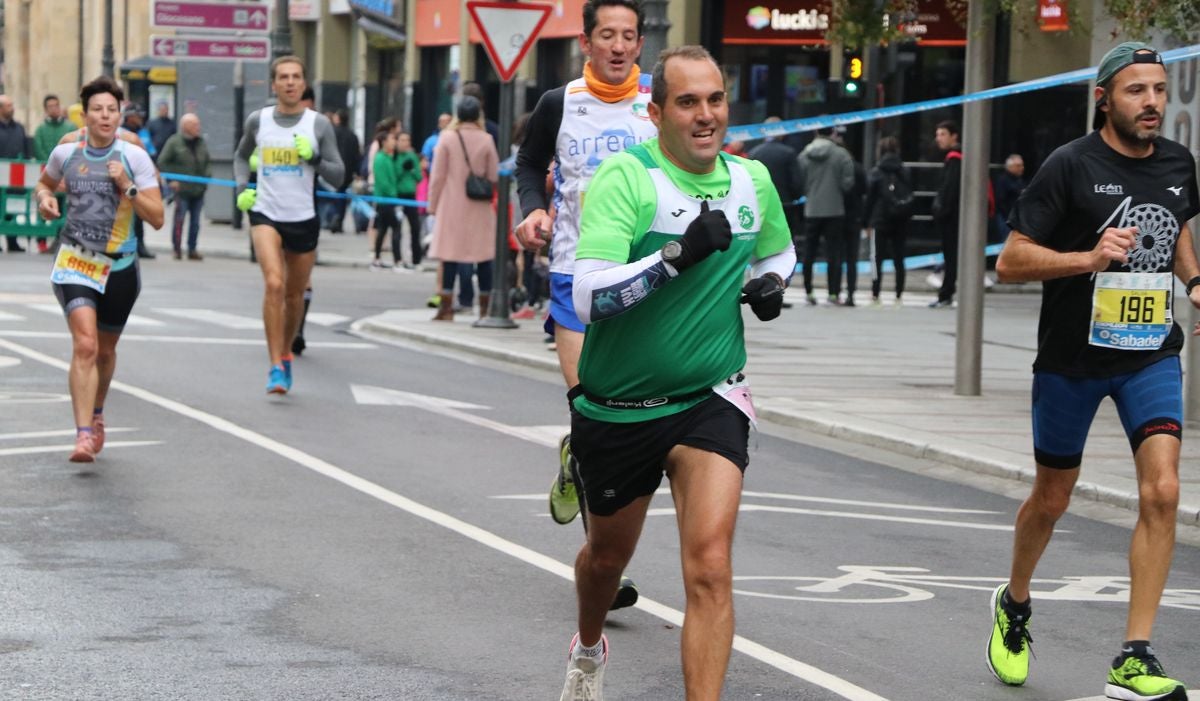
pixel 290 145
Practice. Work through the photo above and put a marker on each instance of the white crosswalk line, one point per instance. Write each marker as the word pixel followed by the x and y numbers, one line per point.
pixel 9 316
pixel 326 318
pixel 229 321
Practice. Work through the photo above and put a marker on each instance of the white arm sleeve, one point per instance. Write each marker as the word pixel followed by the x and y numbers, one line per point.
pixel 603 288
pixel 782 264
pixel 145 175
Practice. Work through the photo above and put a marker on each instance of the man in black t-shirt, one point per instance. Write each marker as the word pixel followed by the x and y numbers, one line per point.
pixel 1104 225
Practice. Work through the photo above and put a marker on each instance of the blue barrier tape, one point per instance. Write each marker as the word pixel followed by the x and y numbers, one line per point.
pixel 750 132
pixel 928 260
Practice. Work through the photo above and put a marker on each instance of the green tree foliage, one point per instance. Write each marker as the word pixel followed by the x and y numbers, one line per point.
pixel 857 23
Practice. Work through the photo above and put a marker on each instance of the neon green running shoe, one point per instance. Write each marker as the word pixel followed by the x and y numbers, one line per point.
pixel 564 500
pixel 1141 678
pixel 1008 649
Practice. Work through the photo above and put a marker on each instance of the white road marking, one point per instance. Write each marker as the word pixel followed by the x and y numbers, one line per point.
pixel 229 321
pixel 9 316
pixel 65 448
pixel 877 517
pixel 205 340
pixel 26 297
pixel 529 556
pixel 7 361
pixel 325 318
pixel 134 319
pixel 8 396
pixel 52 434
pixel 1105 698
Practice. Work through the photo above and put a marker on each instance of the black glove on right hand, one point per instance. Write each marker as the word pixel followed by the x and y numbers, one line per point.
pixel 764 295
pixel 708 233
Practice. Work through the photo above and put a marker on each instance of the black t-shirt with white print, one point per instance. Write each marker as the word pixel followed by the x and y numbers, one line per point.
pixel 1082 189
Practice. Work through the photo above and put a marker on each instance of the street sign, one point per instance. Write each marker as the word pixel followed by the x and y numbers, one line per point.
pixel 208 48
pixel 508 30
pixel 243 16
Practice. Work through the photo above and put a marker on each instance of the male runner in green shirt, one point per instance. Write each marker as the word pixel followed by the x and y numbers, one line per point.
pixel 667 230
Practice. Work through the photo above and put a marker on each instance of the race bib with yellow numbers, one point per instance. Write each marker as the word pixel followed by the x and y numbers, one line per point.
pixel 1131 311
pixel 279 160
pixel 78 266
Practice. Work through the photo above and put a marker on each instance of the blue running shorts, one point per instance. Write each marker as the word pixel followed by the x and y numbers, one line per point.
pixel 1149 402
pixel 562 305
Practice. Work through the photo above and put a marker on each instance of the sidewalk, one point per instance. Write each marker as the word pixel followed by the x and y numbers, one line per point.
pixel 881 376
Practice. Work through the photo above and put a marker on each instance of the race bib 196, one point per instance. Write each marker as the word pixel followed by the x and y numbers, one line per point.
pixel 1131 311
pixel 79 266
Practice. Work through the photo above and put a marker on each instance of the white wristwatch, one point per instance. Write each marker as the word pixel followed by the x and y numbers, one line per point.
pixel 131 191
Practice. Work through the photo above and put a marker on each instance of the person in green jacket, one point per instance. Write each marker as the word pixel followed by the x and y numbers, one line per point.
pixel 386 185
pixel 408 176
pixel 185 153
pixel 53 128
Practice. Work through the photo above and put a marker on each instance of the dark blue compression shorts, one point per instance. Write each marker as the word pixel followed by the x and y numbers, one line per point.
pixel 1149 402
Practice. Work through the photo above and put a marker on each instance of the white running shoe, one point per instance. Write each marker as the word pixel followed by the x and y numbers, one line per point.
pixel 585 675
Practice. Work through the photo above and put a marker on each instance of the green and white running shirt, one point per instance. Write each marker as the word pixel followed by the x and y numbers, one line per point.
pixel 687 336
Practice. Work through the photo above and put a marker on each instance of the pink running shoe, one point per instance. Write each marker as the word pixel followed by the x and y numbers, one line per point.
pixel 83 448
pixel 97 433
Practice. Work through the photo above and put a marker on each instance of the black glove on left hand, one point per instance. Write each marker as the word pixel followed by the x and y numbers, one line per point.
pixel 764 295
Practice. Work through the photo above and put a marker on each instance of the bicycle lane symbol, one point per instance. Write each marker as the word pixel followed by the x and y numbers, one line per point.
pixel 860 584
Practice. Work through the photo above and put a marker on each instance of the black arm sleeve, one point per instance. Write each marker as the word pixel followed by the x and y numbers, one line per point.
pixel 536 153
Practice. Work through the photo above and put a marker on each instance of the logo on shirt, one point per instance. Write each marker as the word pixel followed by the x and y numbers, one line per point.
pixel 1109 189
pixel 1177 191
pixel 1158 231
pixel 745 217
pixel 582 111
pixel 639 111
pixel 678 212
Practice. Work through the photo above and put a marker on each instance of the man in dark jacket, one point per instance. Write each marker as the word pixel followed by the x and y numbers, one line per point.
pixel 828 174
pixel 888 208
pixel 161 128
pixel 780 160
pixel 852 224
pixel 186 153
pixel 351 153
pixel 945 209
pixel 1008 187
pixel 13 144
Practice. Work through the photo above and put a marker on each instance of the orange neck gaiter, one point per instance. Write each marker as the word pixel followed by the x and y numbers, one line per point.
pixel 608 92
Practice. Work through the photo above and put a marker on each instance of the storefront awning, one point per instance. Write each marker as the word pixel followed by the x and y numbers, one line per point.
pixel 387 30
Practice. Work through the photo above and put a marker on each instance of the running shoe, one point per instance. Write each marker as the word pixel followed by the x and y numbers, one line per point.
pixel 97 433
pixel 287 371
pixel 564 500
pixel 277 382
pixel 1141 678
pixel 627 594
pixel 585 675
pixel 84 452
pixel 1008 649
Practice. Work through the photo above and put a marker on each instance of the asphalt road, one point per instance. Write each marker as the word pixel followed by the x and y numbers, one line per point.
pixel 381 532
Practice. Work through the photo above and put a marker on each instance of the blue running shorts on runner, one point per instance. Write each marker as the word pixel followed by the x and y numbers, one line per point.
pixel 562 305
pixel 1149 402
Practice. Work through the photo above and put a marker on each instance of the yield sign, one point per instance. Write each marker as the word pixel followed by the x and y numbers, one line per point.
pixel 508 30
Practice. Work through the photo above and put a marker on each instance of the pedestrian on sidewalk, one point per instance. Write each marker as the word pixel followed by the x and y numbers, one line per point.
pixel 14 145
pixel 186 153
pixel 889 207
pixel 611 97
pixel 828 174
pixel 945 209
pixel 96 276
pixel 408 177
pixel 386 185
pixel 854 221
pixel 52 129
pixel 1104 225
pixel 661 384
pixel 464 227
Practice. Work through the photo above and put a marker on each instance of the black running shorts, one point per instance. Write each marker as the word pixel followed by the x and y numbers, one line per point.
pixel 619 462
pixel 297 236
pixel 113 306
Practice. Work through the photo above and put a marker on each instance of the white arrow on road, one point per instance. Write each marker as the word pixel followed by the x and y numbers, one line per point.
pixel 454 409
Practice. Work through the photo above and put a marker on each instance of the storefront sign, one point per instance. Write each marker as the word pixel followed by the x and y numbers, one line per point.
pixel 304 10
pixel 805 22
pixel 436 22
pixel 1052 16
pixel 387 8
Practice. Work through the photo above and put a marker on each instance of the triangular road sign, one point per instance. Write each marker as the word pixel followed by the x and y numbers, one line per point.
pixel 508 30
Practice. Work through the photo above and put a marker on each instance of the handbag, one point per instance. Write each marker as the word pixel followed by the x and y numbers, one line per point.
pixel 478 187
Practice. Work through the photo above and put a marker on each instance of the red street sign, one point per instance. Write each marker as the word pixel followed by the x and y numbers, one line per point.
pixel 244 16
pixel 508 30
pixel 209 48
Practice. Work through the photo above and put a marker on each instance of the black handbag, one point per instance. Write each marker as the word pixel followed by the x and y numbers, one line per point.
pixel 478 187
